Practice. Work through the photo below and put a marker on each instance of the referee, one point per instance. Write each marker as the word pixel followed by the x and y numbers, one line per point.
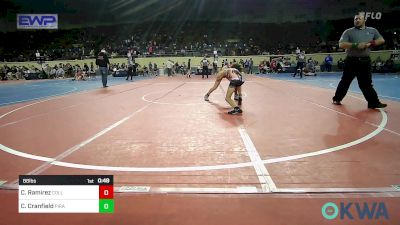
pixel 357 41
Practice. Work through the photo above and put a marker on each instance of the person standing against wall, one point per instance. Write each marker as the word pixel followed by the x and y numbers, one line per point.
pixel 205 65
pixel 189 70
pixel 328 62
pixel 102 62
pixel 301 60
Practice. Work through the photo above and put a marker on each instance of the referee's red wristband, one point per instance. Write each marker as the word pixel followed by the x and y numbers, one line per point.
pixel 373 43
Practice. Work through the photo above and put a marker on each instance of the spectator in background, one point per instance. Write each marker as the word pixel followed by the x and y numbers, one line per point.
pixel 245 64
pixel 3 72
pixel 53 72
pixel 189 71
pixel 328 63
pixel 169 65
pixel 301 60
pixel 273 66
pixel 92 72
pixel 102 62
pixel 131 67
pixel 378 65
pixel 251 66
pixel 86 69
pixel 60 73
pixel 204 64
pixel 176 68
pixel 70 70
pixel 261 68
pixel 340 64
pixel 389 65
pixel 215 66
pixel 150 69
pixel 225 63
pixel 79 75
pixel 297 50
pixel 183 68
pixel 155 69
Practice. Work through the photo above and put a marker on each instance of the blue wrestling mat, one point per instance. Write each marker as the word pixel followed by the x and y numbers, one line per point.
pixel 387 85
pixel 11 93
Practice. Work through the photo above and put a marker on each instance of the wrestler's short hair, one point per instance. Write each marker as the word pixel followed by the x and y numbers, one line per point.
pixel 237 66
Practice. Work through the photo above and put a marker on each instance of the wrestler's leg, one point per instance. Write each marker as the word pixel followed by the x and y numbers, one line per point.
pixel 228 96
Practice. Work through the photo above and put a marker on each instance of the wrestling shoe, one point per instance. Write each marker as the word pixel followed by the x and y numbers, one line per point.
pixel 336 102
pixel 236 110
pixel 377 106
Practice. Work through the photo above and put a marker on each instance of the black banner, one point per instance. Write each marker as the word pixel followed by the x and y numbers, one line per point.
pixel 66 180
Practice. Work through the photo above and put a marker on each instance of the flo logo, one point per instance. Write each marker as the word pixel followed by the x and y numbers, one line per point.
pixel 373 15
pixel 351 211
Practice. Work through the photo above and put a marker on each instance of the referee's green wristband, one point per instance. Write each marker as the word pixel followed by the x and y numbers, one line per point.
pixel 354 45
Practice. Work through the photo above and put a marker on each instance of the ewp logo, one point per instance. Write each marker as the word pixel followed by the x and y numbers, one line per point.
pixel 37 21
pixel 375 210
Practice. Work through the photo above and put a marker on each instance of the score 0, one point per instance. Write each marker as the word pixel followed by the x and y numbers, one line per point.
pixel 106 201
pixel 106 192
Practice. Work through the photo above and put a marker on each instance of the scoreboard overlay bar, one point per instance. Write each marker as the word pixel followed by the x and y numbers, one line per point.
pixel 66 194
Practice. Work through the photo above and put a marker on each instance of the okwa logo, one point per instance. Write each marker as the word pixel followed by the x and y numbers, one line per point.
pixel 351 211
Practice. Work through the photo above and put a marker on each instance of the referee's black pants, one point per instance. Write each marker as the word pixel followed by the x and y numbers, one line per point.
pixel 359 67
pixel 204 72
